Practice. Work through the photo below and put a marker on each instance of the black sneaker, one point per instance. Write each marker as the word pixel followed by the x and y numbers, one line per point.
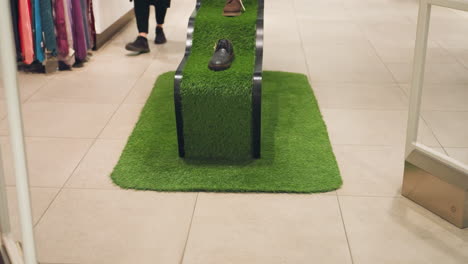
pixel 223 56
pixel 140 45
pixel 160 37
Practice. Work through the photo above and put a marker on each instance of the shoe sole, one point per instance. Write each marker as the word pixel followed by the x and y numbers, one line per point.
pixel 160 42
pixel 232 14
pixel 129 48
pixel 219 67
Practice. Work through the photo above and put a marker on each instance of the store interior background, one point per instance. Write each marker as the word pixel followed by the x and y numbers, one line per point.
pixel 358 57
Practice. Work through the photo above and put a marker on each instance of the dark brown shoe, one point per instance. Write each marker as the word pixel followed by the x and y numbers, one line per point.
pixel 233 8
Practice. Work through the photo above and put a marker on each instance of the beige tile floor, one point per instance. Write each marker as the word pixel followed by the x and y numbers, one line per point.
pixel 357 55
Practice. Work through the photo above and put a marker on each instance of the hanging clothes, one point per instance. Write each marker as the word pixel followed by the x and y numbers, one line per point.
pixel 91 23
pixel 69 59
pixel 14 17
pixel 38 41
pixel 25 31
pixel 61 29
pixel 79 38
pixel 48 28
pixel 84 11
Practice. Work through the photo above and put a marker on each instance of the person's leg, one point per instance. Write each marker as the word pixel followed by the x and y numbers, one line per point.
pixel 160 16
pixel 142 16
pixel 161 11
pixel 140 45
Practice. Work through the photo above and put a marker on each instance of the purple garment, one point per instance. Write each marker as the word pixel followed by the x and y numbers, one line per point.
pixel 84 12
pixel 79 38
pixel 92 27
pixel 61 28
pixel 70 58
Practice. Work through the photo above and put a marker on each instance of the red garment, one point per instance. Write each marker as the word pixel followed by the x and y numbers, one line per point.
pixel 25 30
pixel 91 23
pixel 79 38
pixel 61 28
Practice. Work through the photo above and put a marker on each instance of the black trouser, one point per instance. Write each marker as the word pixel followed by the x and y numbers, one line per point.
pixel 142 11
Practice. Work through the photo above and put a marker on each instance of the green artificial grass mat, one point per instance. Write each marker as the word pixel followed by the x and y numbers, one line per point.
pixel 296 153
pixel 220 101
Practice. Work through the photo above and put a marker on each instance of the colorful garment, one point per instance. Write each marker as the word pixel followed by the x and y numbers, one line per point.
pixel 79 38
pixel 25 31
pixel 70 58
pixel 61 28
pixel 48 28
pixel 38 41
pixel 91 23
pixel 84 11
pixel 14 16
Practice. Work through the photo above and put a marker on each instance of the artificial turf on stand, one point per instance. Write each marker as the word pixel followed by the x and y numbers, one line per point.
pixel 296 153
pixel 216 106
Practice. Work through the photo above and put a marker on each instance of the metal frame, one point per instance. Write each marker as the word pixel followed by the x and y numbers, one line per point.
pixel 256 80
pixel 178 80
pixel 257 84
pixel 432 179
pixel 9 76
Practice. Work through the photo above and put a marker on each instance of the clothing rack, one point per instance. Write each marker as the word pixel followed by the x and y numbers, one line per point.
pixel 52 34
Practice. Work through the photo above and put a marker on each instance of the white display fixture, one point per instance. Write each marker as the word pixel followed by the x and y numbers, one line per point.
pixel 431 179
pixel 107 12
pixel 110 16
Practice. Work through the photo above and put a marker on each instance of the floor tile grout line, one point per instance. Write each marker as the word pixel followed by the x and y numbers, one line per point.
pixel 331 193
pixel 77 165
pixel 433 133
pixel 189 230
pixel 83 157
pixel 376 197
pixel 58 263
pixel 381 60
pixel 399 109
pixel 35 92
pixel 117 109
pixel 66 181
pixel 359 82
pixel 23 101
pixel 87 152
pixel 449 110
pixel 399 83
pixel 47 208
pixel 71 173
pixel 72 138
pixel 125 97
pixel 388 70
pixel 401 88
pixel 369 196
pixel 345 230
pixel 47 137
pixel 298 28
pixel 447 50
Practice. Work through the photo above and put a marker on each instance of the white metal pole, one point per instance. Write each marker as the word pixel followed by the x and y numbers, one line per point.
pixel 418 74
pixel 9 76
pixel 5 227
